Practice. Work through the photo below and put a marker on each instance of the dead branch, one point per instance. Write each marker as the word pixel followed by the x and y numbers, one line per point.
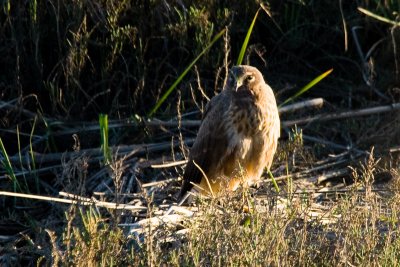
pixel 322 117
pixel 344 115
pixel 169 164
pixel 316 102
pixel 121 150
pixel 77 200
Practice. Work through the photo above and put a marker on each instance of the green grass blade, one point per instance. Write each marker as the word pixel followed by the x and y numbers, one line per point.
pixel 32 154
pixel 246 40
pixel 271 176
pixel 173 86
pixel 26 187
pixel 8 167
pixel 380 18
pixel 103 123
pixel 307 87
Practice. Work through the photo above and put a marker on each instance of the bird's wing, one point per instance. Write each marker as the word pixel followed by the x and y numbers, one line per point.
pixel 211 145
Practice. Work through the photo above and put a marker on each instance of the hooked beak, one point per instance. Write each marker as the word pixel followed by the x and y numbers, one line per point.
pixel 238 84
pixel 238 81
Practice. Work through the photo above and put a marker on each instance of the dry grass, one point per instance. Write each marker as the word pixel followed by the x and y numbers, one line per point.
pixel 353 229
pixel 357 225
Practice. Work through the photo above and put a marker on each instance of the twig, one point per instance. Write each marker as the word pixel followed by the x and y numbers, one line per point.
pixel 205 176
pixel 76 197
pixel 316 102
pixel 346 42
pixel 169 164
pixel 344 115
pixel 323 117
pixel 323 177
pixel 184 123
pixel 394 149
pixel 160 182
pixel 108 205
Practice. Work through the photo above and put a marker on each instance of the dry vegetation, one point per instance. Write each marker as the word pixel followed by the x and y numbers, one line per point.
pixel 64 201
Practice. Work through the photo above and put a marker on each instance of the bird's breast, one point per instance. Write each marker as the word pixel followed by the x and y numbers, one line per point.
pixel 245 129
pixel 247 120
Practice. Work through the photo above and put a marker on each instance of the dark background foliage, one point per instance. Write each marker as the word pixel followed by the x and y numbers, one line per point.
pixel 81 58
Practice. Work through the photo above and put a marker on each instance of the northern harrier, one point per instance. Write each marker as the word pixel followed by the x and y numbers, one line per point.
pixel 238 136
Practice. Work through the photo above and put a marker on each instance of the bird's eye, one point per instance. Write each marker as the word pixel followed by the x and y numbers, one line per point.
pixel 249 78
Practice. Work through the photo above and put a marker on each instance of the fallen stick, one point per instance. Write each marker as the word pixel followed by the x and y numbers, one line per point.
pixel 184 123
pixel 97 152
pixel 324 177
pixel 316 102
pixel 169 164
pixel 108 205
pixel 394 149
pixel 344 115
pixel 322 117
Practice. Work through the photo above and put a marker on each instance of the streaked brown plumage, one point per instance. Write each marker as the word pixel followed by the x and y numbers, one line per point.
pixel 238 136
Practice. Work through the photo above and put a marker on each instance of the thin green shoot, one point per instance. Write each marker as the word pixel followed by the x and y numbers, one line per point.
pixel 7 7
pixel 33 11
pixel 271 176
pixel 177 81
pixel 85 217
pixel 377 17
pixel 20 160
pixel 247 221
pixel 49 134
pixel 307 87
pixel 32 154
pixel 246 39
pixel 103 123
pixel 8 167
pixel 289 180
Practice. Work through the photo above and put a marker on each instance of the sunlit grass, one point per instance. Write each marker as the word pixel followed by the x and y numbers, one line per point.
pixel 105 148
pixel 378 17
pixel 247 39
pixel 307 87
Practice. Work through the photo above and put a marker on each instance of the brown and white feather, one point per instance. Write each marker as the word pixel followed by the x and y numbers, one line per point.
pixel 238 136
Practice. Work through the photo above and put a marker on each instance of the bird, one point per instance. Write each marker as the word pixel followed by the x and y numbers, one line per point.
pixel 237 138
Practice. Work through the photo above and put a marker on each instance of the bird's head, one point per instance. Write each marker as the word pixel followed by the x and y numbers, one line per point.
pixel 244 80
